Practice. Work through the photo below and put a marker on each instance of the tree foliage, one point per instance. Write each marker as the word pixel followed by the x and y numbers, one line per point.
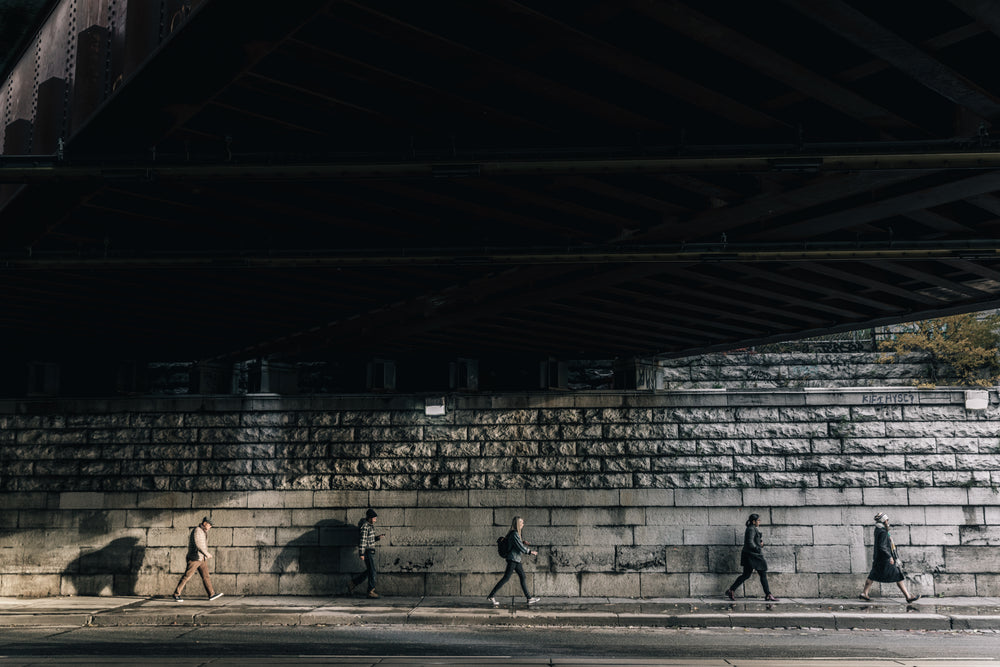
pixel 962 348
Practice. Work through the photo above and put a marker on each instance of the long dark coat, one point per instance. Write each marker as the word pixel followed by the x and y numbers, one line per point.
pixel 753 547
pixel 881 569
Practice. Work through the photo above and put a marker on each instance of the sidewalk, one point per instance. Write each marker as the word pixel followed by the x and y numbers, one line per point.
pixel 828 613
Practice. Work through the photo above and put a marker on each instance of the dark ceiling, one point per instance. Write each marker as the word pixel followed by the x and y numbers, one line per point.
pixel 580 179
pixel 18 19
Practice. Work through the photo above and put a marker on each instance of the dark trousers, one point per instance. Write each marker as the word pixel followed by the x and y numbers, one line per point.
pixel 747 573
pixel 370 571
pixel 512 567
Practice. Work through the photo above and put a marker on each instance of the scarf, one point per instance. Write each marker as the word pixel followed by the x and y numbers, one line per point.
pixel 892 546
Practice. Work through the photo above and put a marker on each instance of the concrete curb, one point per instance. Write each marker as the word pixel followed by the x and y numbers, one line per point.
pixel 892 621
pixel 141 618
pixel 960 622
pixel 825 621
pixel 952 614
pixel 45 620
pixel 830 621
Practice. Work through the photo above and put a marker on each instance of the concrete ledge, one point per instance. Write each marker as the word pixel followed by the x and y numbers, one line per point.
pixel 456 617
pixel 143 618
pixel 249 618
pixel 651 620
pixel 779 620
pixel 882 621
pixel 329 617
pixel 390 617
pixel 950 614
pixel 701 621
pixel 959 622
pixel 592 619
pixel 44 620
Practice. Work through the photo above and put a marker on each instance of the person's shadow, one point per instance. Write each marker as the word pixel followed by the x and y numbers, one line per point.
pixel 329 547
pixel 110 570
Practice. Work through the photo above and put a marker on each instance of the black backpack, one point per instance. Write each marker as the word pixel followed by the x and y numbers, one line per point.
pixel 502 547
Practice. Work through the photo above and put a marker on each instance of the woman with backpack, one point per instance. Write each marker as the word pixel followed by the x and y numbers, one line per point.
pixel 885 561
pixel 752 558
pixel 515 548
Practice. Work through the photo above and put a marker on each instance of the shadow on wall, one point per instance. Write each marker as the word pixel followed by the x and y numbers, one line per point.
pixel 329 547
pixel 111 570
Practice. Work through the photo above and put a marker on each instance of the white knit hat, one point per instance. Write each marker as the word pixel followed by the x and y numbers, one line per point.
pixel 881 517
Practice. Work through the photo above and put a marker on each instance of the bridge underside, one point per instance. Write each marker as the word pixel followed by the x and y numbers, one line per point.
pixel 581 179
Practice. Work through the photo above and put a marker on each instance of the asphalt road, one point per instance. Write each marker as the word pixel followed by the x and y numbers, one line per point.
pixel 163 645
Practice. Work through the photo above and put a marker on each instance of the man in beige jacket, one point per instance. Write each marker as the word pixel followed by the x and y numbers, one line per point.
pixel 197 561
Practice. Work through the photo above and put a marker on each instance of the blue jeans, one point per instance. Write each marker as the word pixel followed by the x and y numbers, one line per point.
pixel 370 572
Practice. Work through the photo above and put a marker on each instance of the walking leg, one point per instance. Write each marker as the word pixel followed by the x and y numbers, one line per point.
pixel 902 587
pixel 205 579
pixel 524 584
pixel 372 571
pixel 504 579
pixel 192 565
pixel 763 582
pixel 747 572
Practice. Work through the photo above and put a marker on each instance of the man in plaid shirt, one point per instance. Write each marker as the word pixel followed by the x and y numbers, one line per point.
pixel 366 550
pixel 197 561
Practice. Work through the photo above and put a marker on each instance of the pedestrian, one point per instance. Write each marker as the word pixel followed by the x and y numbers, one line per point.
pixel 197 561
pixel 366 550
pixel 752 558
pixel 885 561
pixel 516 546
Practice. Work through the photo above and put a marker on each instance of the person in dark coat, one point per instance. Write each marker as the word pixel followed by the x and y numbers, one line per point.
pixel 516 546
pixel 752 558
pixel 885 562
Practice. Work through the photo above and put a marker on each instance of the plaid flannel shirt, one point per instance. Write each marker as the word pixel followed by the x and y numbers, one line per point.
pixel 367 537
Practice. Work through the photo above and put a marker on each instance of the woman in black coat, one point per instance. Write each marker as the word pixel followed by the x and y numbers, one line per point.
pixel 752 558
pixel 516 546
pixel 885 565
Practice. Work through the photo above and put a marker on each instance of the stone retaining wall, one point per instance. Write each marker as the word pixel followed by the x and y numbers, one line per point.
pixel 626 493
pixel 746 369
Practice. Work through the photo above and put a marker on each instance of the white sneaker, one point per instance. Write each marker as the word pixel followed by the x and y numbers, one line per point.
pixel 178 598
pixel 494 601
pixel 533 600
pixel 216 596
